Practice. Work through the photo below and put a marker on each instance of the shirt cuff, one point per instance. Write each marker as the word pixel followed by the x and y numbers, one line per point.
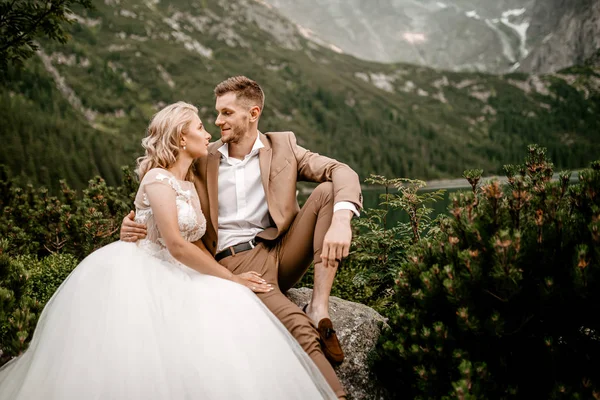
pixel 346 205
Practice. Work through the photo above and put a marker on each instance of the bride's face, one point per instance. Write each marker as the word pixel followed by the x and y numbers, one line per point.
pixel 196 138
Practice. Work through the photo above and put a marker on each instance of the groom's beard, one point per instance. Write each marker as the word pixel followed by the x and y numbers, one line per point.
pixel 237 133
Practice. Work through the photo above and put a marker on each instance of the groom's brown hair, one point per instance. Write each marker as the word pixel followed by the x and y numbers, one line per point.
pixel 244 89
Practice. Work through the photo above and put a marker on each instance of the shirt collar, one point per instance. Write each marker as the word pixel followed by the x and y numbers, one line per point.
pixel 258 144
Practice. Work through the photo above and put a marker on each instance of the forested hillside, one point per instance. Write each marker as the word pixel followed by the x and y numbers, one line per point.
pixel 80 109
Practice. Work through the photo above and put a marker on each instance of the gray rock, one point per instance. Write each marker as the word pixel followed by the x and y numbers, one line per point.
pixel 358 327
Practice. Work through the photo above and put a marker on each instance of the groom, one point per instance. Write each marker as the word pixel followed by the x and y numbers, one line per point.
pixel 247 191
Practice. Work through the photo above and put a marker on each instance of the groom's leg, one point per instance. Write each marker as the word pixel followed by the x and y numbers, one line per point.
pixel 303 243
pixel 264 261
pixel 304 331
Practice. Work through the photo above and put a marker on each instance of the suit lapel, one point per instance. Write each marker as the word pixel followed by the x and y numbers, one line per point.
pixel 212 184
pixel 264 160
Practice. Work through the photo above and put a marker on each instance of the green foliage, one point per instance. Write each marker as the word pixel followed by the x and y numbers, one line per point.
pixel 379 247
pixel 21 22
pixel 48 273
pixel 18 311
pixel 35 222
pixel 473 176
pixel 45 140
pixel 501 301
pixel 26 285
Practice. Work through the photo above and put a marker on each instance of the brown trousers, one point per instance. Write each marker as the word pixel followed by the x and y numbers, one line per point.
pixel 284 263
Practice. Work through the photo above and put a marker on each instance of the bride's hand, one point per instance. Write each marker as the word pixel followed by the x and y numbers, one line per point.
pixel 253 281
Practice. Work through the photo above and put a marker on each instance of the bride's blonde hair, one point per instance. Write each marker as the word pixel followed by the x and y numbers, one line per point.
pixel 163 137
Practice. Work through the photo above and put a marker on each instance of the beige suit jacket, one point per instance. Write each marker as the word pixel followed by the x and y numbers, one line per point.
pixel 282 163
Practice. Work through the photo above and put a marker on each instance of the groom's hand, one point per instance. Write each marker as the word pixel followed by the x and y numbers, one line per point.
pixel 336 244
pixel 130 230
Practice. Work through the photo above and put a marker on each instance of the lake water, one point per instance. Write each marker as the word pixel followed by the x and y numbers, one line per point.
pixel 371 196
pixel 371 199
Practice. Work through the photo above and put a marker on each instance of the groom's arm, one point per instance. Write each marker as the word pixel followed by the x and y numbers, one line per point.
pixel 313 167
pixel 347 195
pixel 131 231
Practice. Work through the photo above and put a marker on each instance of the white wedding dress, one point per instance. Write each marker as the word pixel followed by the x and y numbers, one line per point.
pixel 132 323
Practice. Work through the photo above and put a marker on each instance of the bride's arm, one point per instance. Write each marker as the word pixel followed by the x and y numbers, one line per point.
pixel 200 244
pixel 162 201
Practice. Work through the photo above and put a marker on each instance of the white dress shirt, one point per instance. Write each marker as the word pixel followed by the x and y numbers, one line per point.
pixel 243 210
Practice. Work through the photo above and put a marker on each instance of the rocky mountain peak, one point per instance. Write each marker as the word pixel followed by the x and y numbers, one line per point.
pixel 493 36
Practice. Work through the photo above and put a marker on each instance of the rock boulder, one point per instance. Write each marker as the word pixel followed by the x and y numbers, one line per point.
pixel 358 327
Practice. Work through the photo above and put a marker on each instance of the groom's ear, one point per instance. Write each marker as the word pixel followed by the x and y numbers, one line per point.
pixel 255 113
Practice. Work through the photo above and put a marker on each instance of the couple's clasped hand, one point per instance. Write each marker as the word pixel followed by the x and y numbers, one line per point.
pixel 132 231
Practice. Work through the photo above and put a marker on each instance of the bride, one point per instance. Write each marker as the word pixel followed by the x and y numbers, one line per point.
pixel 161 319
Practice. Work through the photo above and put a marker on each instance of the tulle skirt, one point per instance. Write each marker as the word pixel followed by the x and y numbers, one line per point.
pixel 125 326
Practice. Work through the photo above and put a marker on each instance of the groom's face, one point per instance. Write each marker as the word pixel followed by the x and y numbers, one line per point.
pixel 233 117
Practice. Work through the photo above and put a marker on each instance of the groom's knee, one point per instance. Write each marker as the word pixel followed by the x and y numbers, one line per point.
pixel 323 193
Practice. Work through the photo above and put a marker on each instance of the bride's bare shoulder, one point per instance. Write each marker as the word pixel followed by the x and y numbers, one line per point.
pixel 156 174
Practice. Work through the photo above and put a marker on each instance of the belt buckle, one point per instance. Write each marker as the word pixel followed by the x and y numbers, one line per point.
pixel 232 248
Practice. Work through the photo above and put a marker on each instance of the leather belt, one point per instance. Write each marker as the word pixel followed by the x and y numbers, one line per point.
pixel 233 250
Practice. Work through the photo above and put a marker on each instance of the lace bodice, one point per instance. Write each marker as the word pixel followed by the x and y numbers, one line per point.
pixel 192 223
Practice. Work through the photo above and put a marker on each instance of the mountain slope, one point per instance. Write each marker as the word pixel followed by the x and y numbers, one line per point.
pixel 82 108
pixel 537 36
pixel 563 33
pixel 450 34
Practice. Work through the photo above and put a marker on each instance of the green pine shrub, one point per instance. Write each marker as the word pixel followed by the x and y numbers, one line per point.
pixel 503 300
pixel 34 221
pixel 18 311
pixel 26 285
pixel 378 246
pixel 47 274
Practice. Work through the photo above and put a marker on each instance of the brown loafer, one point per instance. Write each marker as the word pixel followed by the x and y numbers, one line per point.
pixel 329 342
